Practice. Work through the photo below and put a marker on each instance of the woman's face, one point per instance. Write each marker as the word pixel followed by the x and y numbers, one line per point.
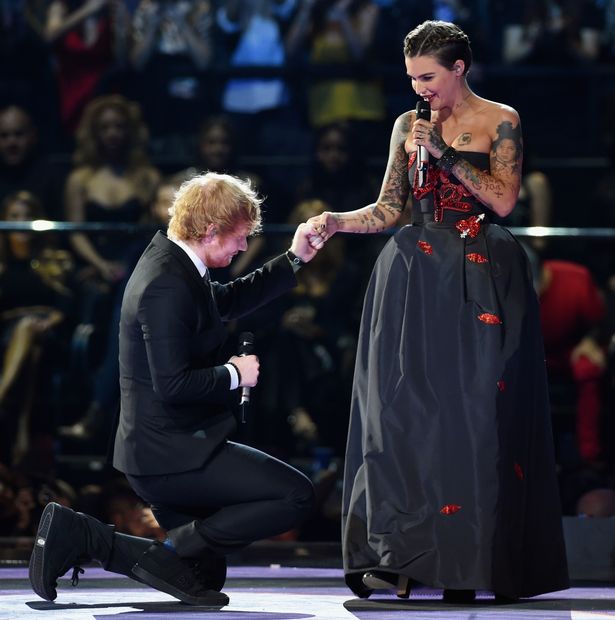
pixel 18 211
pixel 332 151
pixel 216 148
pixel 112 130
pixel 431 81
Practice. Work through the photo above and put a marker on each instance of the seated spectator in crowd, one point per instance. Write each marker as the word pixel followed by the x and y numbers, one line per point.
pixel 339 33
pixel 171 49
pixel 340 178
pixel 163 201
pixel 25 69
pixel 217 152
pixel 89 41
pixel 608 341
pixel 571 311
pixel 23 167
pixel 551 32
pixel 34 300
pixel 252 33
pixel 23 496
pixel 113 182
pixel 397 18
pixel 597 503
pixel 338 174
pixel 305 404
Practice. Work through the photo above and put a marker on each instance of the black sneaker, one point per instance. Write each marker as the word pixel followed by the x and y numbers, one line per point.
pixel 164 570
pixel 58 546
pixel 209 570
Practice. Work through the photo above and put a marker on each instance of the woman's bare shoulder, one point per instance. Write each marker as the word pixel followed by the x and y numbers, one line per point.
pixel 498 112
pixel 404 121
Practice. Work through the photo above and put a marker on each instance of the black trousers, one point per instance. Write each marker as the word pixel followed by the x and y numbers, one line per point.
pixel 239 496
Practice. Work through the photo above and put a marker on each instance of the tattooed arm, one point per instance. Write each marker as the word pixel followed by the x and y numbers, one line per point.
pixel 498 189
pixel 385 212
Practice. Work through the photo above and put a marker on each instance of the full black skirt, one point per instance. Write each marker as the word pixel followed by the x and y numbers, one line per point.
pixel 450 474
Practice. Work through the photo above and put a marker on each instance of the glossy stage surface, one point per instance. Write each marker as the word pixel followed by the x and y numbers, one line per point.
pixel 281 593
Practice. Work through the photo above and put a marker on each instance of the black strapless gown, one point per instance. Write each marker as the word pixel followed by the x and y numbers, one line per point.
pixel 115 246
pixel 450 475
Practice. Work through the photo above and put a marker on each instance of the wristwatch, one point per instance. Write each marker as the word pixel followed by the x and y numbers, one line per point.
pixel 295 261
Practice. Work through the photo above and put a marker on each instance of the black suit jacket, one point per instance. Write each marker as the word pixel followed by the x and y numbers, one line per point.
pixel 175 396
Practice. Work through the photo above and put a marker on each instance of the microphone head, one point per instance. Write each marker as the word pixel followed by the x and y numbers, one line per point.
pixel 246 343
pixel 423 110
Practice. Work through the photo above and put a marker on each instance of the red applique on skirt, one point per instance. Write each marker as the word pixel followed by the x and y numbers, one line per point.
pixel 450 509
pixel 426 247
pixel 474 257
pixel 489 319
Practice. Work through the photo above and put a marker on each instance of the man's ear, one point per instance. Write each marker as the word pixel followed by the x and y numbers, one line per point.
pixel 210 232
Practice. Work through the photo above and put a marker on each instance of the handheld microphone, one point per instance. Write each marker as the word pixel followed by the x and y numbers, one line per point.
pixel 246 347
pixel 423 110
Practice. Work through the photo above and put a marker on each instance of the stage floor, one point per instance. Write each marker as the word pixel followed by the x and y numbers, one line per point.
pixel 280 593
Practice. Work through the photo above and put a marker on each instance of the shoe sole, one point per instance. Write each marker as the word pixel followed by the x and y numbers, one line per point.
pixel 36 567
pixel 220 601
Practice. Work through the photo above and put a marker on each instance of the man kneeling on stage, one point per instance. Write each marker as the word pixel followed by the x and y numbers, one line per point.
pixel 211 495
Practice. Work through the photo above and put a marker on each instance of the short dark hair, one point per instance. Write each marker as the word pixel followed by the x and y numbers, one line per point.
pixel 445 41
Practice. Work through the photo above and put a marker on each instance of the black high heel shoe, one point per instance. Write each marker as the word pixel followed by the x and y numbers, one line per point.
pixel 382 580
pixel 459 597
pixel 355 582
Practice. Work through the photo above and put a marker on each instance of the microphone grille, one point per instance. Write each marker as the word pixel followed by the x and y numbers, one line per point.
pixel 423 110
pixel 246 338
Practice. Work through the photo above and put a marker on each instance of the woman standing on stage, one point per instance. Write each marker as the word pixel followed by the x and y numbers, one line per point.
pixel 450 477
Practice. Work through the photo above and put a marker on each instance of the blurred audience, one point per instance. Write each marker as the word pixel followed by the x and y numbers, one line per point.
pixel 339 33
pixel 171 49
pixel 121 507
pixel 305 403
pixel 598 503
pixel 34 300
pixel 89 40
pixel 23 166
pixel 113 181
pixel 217 151
pixel 57 57
pixel 534 205
pixel 338 175
pixel 25 69
pixel 551 32
pixel 23 496
pixel 252 33
pixel 572 310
